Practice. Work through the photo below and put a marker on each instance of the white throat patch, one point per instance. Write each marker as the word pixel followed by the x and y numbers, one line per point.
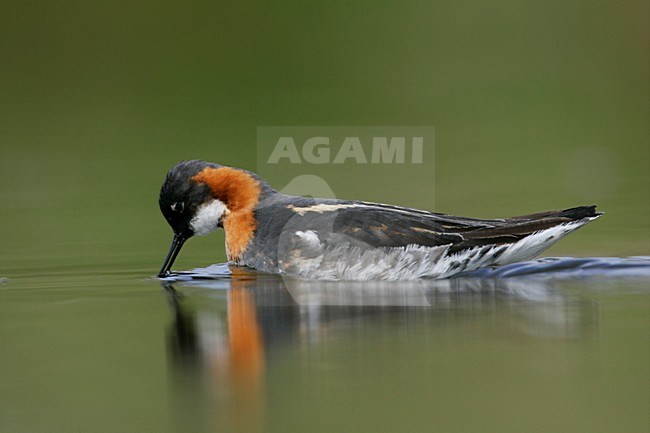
pixel 207 217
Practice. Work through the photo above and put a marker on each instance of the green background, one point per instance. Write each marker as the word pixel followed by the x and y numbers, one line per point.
pixel 536 106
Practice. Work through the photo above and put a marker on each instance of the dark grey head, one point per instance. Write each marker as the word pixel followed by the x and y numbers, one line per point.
pixel 180 196
pixel 183 201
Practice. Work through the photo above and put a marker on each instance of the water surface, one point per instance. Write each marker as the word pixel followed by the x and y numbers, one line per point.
pixel 228 350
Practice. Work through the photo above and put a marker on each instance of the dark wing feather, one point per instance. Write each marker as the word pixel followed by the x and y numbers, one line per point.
pixel 380 225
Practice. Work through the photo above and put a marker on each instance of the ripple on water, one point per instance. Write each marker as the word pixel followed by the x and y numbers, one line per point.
pixel 549 268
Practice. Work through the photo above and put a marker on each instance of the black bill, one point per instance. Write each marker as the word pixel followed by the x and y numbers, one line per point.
pixel 174 249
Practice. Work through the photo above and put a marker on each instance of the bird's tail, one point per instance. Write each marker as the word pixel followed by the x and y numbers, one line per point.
pixel 535 232
pixel 571 214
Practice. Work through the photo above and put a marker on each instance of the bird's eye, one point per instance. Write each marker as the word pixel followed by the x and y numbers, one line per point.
pixel 178 207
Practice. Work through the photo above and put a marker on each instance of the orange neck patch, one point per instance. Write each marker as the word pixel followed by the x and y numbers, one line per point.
pixel 240 192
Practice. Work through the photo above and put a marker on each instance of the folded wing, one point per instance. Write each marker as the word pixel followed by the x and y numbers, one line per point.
pixel 378 225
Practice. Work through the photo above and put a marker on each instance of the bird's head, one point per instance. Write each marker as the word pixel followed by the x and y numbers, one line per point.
pixel 197 197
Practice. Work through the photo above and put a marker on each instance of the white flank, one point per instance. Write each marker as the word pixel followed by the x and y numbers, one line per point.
pixel 312 259
pixel 207 217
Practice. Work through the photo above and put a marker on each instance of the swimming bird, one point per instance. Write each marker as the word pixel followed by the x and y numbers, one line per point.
pixel 333 239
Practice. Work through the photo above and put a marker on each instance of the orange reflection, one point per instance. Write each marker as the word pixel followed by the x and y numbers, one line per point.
pixel 246 364
pixel 245 336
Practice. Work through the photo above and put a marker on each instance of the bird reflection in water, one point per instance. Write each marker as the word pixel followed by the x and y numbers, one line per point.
pixel 228 331
pixel 224 362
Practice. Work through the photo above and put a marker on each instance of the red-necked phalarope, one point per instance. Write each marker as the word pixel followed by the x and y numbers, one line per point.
pixel 342 239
